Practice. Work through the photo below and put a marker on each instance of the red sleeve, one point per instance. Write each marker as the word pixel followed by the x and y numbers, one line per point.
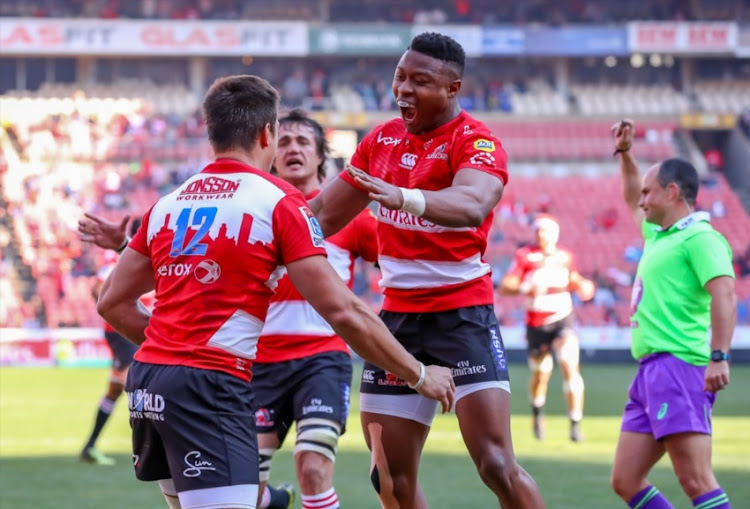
pixel 518 266
pixel 361 158
pixel 480 150
pixel 140 239
pixel 367 236
pixel 295 229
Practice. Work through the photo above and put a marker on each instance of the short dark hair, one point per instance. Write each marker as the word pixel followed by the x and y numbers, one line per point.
pixel 441 47
pixel 681 173
pixel 299 116
pixel 237 109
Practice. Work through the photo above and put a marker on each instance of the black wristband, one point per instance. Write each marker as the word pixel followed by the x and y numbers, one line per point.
pixel 620 150
pixel 123 246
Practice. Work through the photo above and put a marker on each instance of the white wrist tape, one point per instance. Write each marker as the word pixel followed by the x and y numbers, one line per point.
pixel 414 201
pixel 422 375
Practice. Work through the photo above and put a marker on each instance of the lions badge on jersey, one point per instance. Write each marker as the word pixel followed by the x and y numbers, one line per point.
pixel 316 232
pixel 484 145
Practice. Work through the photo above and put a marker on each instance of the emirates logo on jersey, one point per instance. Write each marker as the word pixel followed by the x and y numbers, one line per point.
pixel 408 161
pixel 207 272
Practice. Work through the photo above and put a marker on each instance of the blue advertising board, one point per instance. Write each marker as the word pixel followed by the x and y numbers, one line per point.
pixel 576 41
pixel 502 41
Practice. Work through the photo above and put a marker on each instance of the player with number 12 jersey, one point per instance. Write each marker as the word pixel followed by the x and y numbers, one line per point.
pixel 202 286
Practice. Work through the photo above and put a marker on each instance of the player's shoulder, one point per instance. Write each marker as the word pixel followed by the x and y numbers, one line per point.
pixel 705 234
pixel 472 128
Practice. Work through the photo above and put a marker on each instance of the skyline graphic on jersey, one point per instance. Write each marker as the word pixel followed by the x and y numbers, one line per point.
pixel 237 208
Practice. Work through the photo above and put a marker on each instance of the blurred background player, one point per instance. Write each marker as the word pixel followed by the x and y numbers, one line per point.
pixel 303 370
pixel 684 284
pixel 546 274
pixel 122 353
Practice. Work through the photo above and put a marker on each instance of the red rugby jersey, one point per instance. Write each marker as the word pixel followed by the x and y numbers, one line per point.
pixel 293 328
pixel 218 244
pixel 551 273
pixel 427 267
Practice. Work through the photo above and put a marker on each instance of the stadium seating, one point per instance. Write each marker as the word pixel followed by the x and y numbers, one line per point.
pixel 578 140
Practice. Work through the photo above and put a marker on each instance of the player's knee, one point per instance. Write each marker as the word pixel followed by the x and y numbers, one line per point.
pixel 694 483
pixel 542 364
pixel 574 384
pixel 315 471
pixel 265 458
pixel 498 469
pixel 570 350
pixel 318 435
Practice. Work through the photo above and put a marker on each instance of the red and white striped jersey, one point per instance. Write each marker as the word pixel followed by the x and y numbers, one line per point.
pixel 218 244
pixel 427 267
pixel 550 275
pixel 294 329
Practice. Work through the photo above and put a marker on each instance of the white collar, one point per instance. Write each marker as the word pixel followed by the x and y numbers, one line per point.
pixel 687 221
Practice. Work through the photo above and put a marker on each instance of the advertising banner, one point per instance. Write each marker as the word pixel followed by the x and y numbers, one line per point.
pixel 72 347
pixel 52 37
pixel 577 41
pixel 683 37
pixel 743 43
pixel 503 41
pixel 359 39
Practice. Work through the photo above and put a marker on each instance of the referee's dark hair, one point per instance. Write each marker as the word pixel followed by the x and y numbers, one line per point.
pixel 683 174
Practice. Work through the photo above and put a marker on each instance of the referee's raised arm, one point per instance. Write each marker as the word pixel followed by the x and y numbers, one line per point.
pixel 631 177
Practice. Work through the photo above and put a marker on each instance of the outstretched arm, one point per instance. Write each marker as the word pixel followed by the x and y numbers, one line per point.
pixel 466 203
pixel 337 204
pixel 318 283
pixel 103 233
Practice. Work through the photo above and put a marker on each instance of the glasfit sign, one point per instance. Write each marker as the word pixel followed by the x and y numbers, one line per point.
pixel 29 36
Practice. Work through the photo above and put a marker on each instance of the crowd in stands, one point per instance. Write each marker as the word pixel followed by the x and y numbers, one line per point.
pixel 400 11
pixel 57 164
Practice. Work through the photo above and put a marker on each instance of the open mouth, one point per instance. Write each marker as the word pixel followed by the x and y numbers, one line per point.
pixel 408 111
pixel 293 162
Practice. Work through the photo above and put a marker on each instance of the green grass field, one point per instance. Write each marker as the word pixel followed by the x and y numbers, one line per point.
pixel 45 415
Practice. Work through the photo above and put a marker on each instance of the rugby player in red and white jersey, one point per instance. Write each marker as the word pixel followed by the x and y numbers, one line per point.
pixel 123 351
pixel 437 174
pixel 546 274
pixel 214 250
pixel 303 371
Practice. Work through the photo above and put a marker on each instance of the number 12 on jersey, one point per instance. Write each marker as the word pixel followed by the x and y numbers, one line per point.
pixel 201 218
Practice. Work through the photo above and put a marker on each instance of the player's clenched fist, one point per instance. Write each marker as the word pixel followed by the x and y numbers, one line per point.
pixel 438 384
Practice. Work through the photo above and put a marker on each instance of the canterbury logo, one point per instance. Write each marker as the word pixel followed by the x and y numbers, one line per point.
pixel 408 161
